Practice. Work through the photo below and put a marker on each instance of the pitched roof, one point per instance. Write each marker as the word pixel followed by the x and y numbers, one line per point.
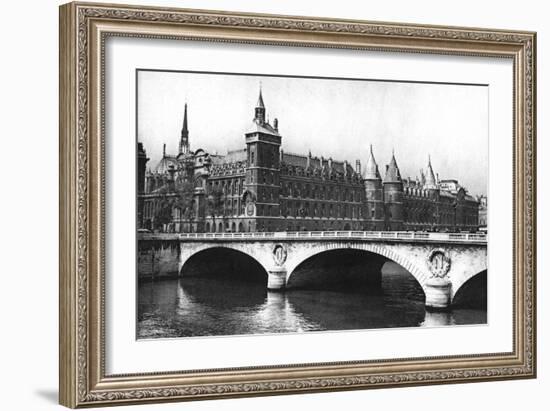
pixel 265 128
pixel 299 160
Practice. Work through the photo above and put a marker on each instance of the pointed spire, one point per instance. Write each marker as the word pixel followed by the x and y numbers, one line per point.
pixel 259 112
pixel 260 102
pixel 184 140
pixel 184 128
pixel 431 182
pixel 371 169
pixel 392 171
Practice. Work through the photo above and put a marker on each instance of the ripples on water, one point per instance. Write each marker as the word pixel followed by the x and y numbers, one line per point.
pixel 195 306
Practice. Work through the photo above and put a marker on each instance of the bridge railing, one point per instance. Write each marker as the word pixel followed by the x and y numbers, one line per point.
pixel 382 235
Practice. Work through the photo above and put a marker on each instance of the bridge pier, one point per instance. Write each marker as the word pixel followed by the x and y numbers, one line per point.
pixel 438 293
pixel 276 279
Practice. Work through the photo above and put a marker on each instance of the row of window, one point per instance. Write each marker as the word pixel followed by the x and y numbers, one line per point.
pixel 307 209
pixel 318 173
pixel 322 192
pixel 227 187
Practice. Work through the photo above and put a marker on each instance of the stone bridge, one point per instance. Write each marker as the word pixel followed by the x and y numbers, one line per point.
pixel 440 262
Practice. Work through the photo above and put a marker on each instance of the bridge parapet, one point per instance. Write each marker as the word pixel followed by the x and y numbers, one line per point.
pixel 416 236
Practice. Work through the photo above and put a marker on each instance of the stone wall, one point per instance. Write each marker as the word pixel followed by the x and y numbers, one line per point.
pixel 158 259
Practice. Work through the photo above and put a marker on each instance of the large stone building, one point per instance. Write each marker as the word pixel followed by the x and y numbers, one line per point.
pixel 263 188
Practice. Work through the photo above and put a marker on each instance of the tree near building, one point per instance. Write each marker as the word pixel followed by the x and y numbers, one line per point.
pixel 163 214
pixel 184 201
pixel 215 204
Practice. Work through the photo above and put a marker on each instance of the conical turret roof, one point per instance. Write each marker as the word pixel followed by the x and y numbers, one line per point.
pixel 430 176
pixel 392 172
pixel 371 169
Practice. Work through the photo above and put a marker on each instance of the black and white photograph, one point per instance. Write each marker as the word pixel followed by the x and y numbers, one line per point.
pixel 272 204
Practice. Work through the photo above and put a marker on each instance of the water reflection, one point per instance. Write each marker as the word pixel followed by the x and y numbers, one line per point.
pixel 437 319
pixel 197 306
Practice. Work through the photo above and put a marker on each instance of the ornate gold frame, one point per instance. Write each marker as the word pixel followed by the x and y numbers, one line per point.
pixel 83 29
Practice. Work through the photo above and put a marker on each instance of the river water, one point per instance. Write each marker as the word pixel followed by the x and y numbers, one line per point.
pixel 197 306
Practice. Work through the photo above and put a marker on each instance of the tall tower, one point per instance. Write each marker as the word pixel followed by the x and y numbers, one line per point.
pixel 262 183
pixel 374 205
pixel 184 139
pixel 393 196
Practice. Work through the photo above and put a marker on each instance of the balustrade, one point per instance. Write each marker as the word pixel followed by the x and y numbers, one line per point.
pixel 380 235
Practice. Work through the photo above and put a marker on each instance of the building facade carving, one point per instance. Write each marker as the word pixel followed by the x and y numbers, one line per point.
pixel 263 188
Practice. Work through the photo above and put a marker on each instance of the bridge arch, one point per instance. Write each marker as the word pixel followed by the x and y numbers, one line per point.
pixel 229 258
pixel 467 260
pixel 382 250
pixel 476 281
pixel 263 257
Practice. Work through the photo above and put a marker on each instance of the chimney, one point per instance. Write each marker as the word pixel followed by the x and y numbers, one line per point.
pixel 171 179
pixel 358 166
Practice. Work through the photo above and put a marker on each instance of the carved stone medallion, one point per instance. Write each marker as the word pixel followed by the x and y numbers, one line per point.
pixel 439 263
pixel 279 254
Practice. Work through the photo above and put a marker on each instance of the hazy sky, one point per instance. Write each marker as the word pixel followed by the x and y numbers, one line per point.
pixel 332 118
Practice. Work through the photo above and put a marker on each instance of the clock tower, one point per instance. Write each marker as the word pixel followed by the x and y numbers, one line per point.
pixel 262 183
